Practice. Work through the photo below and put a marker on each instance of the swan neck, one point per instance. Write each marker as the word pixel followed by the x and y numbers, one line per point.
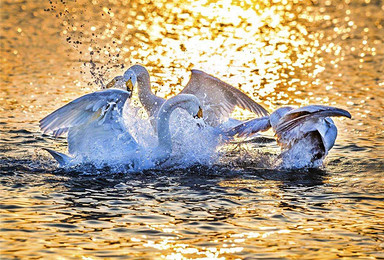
pixel 147 98
pixel 144 84
pixel 163 131
pixel 163 120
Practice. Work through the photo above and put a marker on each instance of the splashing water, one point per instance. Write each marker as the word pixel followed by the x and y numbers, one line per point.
pixel 299 156
pixel 191 144
pixel 278 52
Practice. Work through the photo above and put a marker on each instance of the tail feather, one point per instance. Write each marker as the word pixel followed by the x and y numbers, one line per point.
pixel 61 158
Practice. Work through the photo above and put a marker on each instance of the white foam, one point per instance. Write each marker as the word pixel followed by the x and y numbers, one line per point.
pixel 190 144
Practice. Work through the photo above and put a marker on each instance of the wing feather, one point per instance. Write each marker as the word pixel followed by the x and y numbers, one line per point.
pixel 94 106
pixel 218 98
pixel 298 117
pixel 251 127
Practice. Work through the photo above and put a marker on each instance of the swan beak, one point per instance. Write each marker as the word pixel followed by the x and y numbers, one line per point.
pixel 199 117
pixel 200 113
pixel 129 85
pixel 111 84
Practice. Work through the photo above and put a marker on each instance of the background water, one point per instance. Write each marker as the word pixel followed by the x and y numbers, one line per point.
pixel 279 52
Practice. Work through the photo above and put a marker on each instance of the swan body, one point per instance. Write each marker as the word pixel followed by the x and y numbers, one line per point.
pixel 305 134
pixel 218 99
pixel 97 131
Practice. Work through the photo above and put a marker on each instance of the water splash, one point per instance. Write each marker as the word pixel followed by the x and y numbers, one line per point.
pixel 106 147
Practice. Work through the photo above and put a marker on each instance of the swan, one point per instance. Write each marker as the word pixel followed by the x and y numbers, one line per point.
pixel 305 134
pixel 97 133
pixel 218 99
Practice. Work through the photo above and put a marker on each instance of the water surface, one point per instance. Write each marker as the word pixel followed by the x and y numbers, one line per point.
pixel 279 52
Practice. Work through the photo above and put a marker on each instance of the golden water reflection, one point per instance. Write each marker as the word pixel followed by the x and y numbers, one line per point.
pixel 278 52
pixel 237 217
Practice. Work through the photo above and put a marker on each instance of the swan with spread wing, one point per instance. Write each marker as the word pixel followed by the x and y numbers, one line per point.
pixel 97 132
pixel 218 99
pixel 305 134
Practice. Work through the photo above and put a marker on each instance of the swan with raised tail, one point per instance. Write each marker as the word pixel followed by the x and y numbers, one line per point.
pixel 305 134
pixel 97 133
pixel 218 99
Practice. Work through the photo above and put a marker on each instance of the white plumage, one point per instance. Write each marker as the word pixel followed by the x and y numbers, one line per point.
pixel 305 134
pixel 97 132
pixel 218 99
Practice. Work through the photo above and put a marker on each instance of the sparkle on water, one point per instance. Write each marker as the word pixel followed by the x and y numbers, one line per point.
pixel 279 52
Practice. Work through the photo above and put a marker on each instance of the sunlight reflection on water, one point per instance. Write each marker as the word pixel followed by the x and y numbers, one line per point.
pixel 278 52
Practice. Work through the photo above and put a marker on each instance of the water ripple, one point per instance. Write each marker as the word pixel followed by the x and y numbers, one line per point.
pixel 280 52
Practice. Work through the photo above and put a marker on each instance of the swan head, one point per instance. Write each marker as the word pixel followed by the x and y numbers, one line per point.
pixel 187 102
pixel 191 104
pixel 119 82
pixel 130 78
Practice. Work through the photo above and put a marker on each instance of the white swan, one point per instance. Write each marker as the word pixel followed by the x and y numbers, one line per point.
pixel 305 134
pixel 218 99
pixel 97 133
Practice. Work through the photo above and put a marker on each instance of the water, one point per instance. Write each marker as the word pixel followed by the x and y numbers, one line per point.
pixel 289 52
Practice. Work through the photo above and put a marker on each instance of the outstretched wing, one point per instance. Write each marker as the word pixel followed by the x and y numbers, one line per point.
pixel 300 116
pixel 251 127
pixel 104 106
pixel 218 98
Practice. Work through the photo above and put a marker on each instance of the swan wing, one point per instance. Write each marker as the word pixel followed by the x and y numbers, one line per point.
pixel 105 140
pixel 251 127
pixel 307 118
pixel 104 107
pixel 218 98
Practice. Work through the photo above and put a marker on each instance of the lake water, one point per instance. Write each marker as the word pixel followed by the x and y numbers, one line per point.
pixel 279 52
